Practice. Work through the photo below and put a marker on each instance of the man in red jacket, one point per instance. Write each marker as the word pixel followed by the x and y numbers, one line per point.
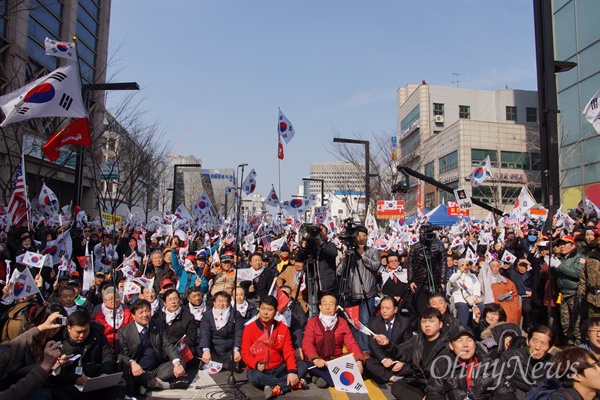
pixel 268 353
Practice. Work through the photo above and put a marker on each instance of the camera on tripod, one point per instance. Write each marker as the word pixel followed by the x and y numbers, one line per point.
pixel 349 233
pixel 310 233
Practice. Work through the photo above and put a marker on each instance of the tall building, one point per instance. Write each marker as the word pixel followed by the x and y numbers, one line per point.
pixel 577 39
pixel 24 25
pixel 343 181
pixel 445 132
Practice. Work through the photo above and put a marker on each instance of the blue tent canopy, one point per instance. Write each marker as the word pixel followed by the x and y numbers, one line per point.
pixel 437 216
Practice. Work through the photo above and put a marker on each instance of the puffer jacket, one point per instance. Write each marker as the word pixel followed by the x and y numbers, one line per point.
pixel 517 362
pixel 568 273
pixel 492 339
pixel 417 266
pixel 411 352
pixel 453 386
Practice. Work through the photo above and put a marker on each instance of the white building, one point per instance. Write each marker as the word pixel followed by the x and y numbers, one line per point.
pixel 445 132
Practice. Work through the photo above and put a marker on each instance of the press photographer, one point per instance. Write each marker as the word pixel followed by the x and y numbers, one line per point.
pixel 314 245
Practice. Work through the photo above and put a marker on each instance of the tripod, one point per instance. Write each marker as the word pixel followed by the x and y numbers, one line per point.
pixel 311 286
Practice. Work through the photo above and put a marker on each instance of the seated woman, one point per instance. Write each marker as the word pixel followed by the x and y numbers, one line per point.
pixel 178 322
pixel 110 319
pixel 492 313
pixel 324 337
pixel 219 336
pixel 247 310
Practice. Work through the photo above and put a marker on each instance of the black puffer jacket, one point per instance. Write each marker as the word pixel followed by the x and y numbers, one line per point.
pixel 97 356
pixel 417 265
pixel 449 381
pixel 519 368
pixel 411 352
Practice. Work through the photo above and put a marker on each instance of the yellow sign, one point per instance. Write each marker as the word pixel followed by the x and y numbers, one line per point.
pixel 109 219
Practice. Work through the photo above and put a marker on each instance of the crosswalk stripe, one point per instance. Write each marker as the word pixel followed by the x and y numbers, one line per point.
pixel 337 395
pixel 375 392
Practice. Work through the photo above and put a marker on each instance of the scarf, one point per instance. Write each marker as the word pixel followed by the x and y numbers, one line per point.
pixel 326 347
pixel 108 316
pixel 328 322
pixel 198 311
pixel 221 317
pixel 256 273
pixel 70 310
pixel 172 315
pixel 242 308
pixel 155 304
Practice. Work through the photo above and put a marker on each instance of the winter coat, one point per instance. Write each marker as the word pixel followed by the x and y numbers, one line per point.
pixel 418 266
pixel 313 334
pixel 569 272
pixel 325 255
pixel 589 279
pixel 220 342
pixel 492 338
pixel 111 335
pixel 484 385
pixel 275 351
pixel 518 360
pixel 511 308
pixel 182 324
pixel 364 274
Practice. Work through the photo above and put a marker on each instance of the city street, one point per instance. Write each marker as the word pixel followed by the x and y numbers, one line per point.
pixel 206 386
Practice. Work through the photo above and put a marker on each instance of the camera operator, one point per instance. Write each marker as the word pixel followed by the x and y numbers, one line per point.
pixel 325 253
pixel 425 267
pixel 363 283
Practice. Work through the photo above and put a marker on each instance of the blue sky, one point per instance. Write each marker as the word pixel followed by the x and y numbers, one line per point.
pixel 333 67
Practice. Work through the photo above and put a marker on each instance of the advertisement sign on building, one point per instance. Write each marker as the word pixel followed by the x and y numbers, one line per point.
pixel 455 211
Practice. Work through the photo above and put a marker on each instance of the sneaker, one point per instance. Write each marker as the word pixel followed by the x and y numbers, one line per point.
pixel 271 392
pixel 321 382
pixel 301 385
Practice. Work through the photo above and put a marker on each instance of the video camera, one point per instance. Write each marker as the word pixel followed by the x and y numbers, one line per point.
pixel 310 233
pixel 349 233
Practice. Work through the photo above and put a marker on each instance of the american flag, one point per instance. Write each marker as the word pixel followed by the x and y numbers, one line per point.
pixel 18 205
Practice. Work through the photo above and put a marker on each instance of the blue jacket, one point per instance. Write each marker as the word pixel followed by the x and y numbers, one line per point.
pixel 187 279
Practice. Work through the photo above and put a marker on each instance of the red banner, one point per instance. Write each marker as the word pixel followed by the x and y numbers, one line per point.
pixel 390 209
pixel 455 211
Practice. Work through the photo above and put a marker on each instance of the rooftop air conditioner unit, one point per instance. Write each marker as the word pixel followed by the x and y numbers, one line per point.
pixel 439 119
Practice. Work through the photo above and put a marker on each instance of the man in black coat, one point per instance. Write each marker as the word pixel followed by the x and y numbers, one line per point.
pixel 86 339
pixel 324 253
pixel 382 365
pixel 146 349
pixel 262 280
pixel 177 320
pixel 426 267
pixel 417 355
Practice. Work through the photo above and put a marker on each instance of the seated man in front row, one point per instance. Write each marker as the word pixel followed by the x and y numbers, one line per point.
pixel 268 353
pixel 97 358
pixel 143 346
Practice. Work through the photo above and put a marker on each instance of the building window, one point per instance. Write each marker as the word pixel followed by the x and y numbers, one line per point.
pixel 531 114
pixel 44 21
pixel 88 13
pixel 478 155
pixel 511 113
pixel 510 194
pixel 514 159
pixel 449 162
pixel 464 112
pixel 429 169
pixel 430 200
pixel 438 109
pixel 410 121
pixel 485 194
pixel 535 162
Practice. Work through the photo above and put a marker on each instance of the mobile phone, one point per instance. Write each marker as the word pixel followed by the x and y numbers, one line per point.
pixel 62 321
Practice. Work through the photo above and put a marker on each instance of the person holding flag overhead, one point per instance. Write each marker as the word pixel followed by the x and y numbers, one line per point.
pixel 324 338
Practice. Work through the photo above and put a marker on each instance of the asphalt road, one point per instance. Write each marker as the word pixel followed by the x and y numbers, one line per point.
pixel 216 386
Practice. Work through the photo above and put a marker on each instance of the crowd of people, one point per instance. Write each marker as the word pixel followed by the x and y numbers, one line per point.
pixel 478 310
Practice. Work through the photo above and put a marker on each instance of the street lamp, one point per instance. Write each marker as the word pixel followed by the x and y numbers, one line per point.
pixel 367 170
pixel 175 167
pixel 79 160
pixel 322 187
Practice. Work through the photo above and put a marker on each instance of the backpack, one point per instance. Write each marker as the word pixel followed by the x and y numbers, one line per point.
pixel 16 319
pixel 543 389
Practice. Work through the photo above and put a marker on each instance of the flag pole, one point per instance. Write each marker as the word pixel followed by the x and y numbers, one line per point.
pixel 278 159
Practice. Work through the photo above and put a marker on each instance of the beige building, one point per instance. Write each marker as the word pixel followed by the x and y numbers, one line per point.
pixel 445 132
